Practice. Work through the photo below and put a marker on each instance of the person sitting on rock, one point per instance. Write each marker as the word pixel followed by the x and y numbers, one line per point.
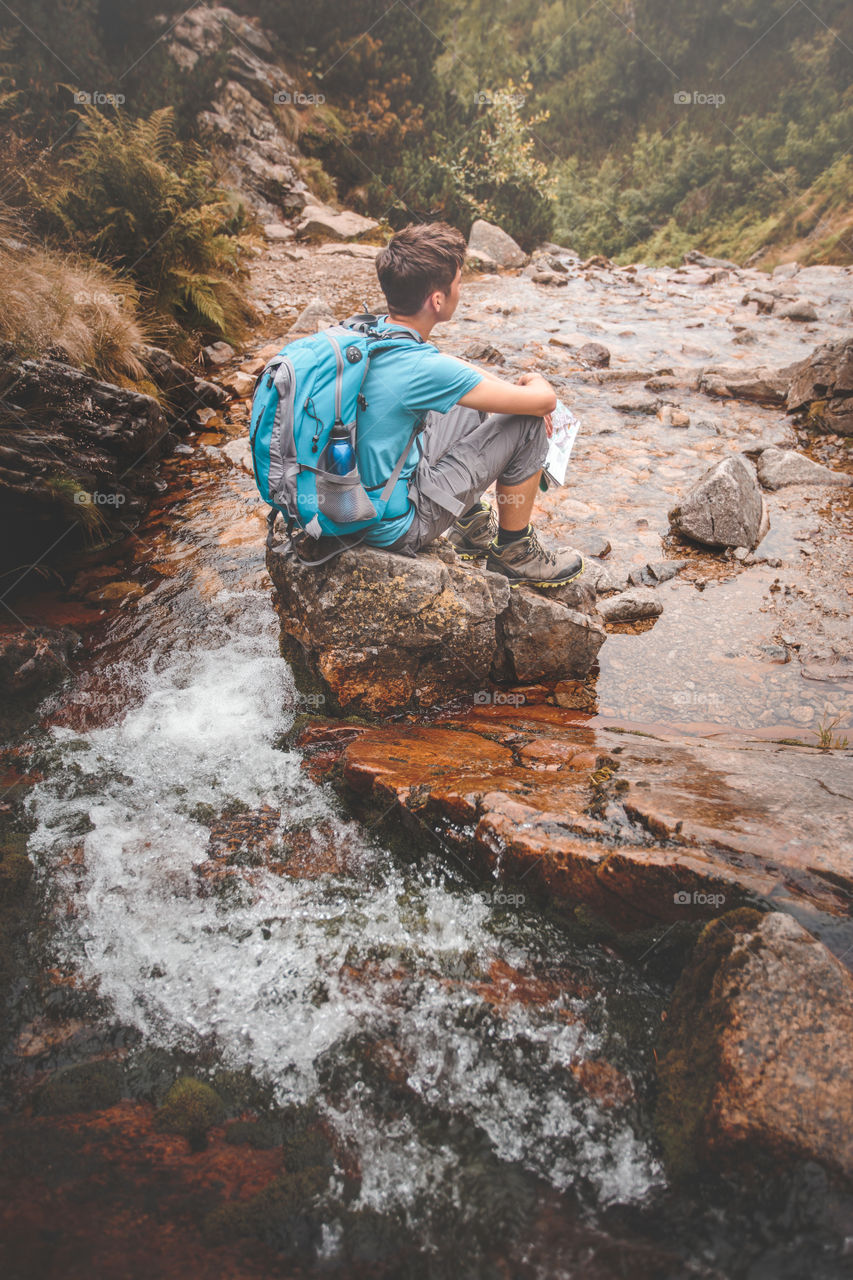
pixel 478 429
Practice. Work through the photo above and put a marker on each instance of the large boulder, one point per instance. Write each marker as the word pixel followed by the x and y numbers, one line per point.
pixel 754 1062
pixel 725 508
pixel 822 387
pixel 487 239
pixel 377 632
pixel 762 385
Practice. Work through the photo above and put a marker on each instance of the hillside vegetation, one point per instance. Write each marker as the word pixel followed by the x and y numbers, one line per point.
pixel 636 130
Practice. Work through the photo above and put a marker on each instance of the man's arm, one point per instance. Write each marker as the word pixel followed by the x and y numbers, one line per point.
pixel 531 394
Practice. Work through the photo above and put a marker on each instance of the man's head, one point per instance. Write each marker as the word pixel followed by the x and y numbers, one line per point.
pixel 420 269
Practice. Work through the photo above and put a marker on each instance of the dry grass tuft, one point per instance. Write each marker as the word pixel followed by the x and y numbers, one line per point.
pixel 73 308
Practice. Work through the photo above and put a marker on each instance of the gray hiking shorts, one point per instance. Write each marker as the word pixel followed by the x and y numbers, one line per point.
pixel 463 452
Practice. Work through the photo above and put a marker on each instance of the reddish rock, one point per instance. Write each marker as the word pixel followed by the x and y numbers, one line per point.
pixel 754 1063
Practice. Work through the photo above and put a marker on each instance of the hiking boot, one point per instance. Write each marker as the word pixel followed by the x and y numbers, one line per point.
pixel 471 536
pixel 526 562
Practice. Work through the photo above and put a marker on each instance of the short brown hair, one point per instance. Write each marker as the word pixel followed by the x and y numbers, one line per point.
pixel 418 260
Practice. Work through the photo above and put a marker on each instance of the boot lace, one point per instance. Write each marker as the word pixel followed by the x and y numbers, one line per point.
pixel 537 549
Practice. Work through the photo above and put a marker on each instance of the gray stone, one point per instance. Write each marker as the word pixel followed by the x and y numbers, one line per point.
pixel 637 403
pixel 479 260
pixel 544 639
pixel 218 353
pixel 725 507
pixel 319 222
pixel 277 231
pixel 656 571
pixel 780 467
pixel 764 301
pixel 594 354
pixel 631 606
pixel 695 258
pixel 317 315
pixel 762 384
pixel 486 238
pixel 822 387
pixel 799 310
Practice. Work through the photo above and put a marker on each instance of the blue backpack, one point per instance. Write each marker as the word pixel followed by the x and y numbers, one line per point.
pixel 312 386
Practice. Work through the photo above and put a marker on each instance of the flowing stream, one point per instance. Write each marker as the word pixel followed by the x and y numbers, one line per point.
pixel 486 1076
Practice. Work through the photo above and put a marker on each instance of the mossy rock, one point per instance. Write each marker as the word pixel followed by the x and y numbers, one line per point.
pixel 687 1059
pixel 16 872
pixel 92 1086
pixel 190 1109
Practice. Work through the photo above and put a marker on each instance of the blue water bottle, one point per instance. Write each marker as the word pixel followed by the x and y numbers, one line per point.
pixel 340 455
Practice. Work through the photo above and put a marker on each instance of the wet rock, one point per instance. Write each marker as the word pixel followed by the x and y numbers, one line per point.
pixel 381 632
pixel 822 386
pixel 595 544
pixel 483 351
pixel 631 606
pixel 78 458
pixel 594 354
pixel 479 260
pixel 656 571
pixel 753 1062
pixel 486 238
pixel 725 507
pixel 33 659
pixel 182 389
pixel 695 258
pixel 316 315
pixel 799 310
pixel 240 384
pixel 91 1086
pixel 780 467
pixel 277 231
pixel 319 222
pixel 763 385
pixel 637 403
pixel 765 302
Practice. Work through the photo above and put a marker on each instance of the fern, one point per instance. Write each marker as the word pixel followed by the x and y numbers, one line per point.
pixel 130 192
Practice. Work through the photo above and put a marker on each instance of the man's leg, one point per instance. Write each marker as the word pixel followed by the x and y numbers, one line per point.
pixel 515 502
pixel 461 460
pixel 463 454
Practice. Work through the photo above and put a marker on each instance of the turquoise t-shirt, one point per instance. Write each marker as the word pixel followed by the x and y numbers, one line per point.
pixel 400 387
